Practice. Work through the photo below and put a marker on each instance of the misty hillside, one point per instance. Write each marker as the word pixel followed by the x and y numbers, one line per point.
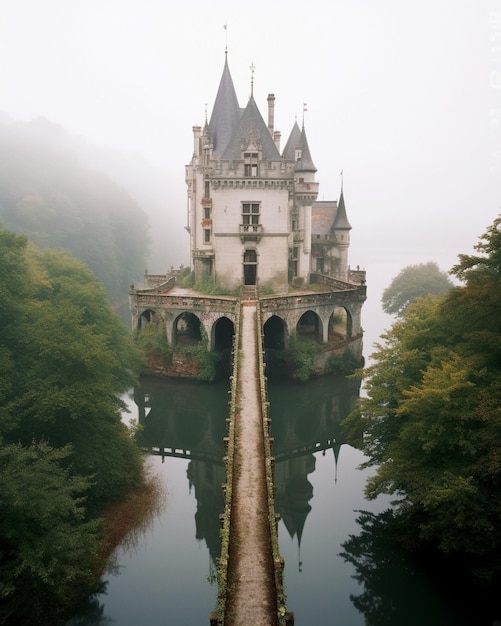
pixel 62 192
pixel 160 194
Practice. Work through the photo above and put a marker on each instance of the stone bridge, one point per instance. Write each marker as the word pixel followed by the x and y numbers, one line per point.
pixel 330 314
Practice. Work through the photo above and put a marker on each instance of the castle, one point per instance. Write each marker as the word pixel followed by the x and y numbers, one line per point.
pixel 257 231
pixel 253 214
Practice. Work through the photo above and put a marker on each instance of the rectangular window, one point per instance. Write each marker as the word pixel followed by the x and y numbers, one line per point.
pixel 207 212
pixel 250 164
pixel 250 213
pixel 206 235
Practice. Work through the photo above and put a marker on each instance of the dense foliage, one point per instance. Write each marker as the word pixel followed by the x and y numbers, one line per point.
pixel 64 361
pixel 414 281
pixel 47 195
pixel 431 420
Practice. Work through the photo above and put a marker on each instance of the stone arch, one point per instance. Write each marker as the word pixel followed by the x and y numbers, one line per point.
pixel 310 326
pixel 146 317
pixel 222 333
pixel 186 329
pixel 340 324
pixel 275 333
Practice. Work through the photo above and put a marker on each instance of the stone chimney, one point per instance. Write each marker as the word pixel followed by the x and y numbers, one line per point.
pixel 197 131
pixel 271 112
pixel 276 138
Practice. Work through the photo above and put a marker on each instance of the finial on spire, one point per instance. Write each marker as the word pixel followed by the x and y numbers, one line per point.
pixel 305 108
pixel 252 67
pixel 226 37
pixel 341 181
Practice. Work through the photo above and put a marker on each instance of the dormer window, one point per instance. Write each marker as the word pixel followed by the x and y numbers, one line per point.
pixel 250 163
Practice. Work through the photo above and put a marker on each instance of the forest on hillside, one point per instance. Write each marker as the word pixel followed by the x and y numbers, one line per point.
pixel 63 193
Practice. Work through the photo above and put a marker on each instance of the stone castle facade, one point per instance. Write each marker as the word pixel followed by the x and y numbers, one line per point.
pixel 253 214
pixel 257 230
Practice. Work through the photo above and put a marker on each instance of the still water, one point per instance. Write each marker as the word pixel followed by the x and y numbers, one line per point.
pixel 335 570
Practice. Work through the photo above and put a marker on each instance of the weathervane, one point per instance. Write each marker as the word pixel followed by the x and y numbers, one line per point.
pixel 252 67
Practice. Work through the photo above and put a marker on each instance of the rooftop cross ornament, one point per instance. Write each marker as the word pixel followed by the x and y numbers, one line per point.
pixel 252 67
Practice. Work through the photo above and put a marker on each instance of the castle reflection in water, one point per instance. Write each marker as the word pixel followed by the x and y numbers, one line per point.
pixel 186 419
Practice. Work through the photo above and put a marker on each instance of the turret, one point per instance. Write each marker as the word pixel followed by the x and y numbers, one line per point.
pixel 341 230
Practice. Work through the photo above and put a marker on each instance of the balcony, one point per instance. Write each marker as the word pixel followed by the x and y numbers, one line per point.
pixel 250 232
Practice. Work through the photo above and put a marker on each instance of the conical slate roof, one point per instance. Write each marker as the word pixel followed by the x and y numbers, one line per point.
pixel 289 152
pixel 305 163
pixel 251 126
pixel 341 220
pixel 225 113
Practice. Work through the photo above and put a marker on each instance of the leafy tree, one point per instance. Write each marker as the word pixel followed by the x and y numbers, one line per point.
pixel 414 281
pixel 47 545
pixel 64 450
pixel 76 358
pixel 432 419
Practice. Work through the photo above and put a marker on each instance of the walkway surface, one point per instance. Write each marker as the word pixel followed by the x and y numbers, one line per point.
pixel 252 583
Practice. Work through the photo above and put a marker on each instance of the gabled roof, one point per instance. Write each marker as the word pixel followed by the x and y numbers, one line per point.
pixel 251 126
pixel 341 220
pixel 225 113
pixel 289 152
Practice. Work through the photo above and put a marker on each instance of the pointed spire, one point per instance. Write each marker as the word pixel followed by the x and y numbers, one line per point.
pixel 305 162
pixel 341 220
pixel 225 113
pixel 289 152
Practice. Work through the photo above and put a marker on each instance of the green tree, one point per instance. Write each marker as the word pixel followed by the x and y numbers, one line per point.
pixel 64 450
pixel 77 359
pixel 47 545
pixel 432 419
pixel 414 281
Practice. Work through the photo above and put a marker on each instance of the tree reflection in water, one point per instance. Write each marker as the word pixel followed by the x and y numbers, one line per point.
pixel 397 590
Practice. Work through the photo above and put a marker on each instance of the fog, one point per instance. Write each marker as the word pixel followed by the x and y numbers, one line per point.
pixel 404 98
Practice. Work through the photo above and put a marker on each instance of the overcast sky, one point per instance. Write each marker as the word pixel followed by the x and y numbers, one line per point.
pixel 404 97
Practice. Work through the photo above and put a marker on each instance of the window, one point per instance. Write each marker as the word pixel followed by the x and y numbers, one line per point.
pixel 250 214
pixel 250 163
pixel 207 189
pixel 207 212
pixel 206 235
